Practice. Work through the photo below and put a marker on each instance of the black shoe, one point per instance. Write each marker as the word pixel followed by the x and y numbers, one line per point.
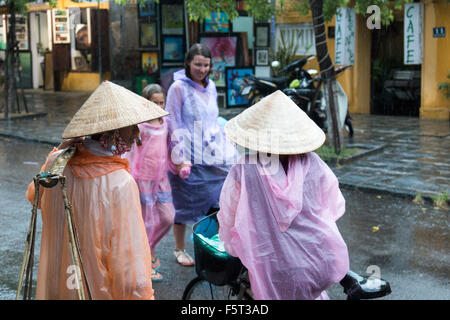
pixel 358 287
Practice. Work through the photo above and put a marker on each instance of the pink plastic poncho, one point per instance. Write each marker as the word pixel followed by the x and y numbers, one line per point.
pixel 283 227
pixel 107 216
pixel 149 164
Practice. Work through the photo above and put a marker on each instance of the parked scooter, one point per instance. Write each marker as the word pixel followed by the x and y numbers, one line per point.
pixel 307 93
pixel 259 87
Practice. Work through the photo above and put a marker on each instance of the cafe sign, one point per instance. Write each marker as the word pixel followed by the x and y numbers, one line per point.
pixel 345 37
pixel 413 33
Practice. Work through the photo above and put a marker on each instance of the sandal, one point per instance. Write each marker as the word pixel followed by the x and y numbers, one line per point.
pixel 156 276
pixel 183 257
pixel 155 263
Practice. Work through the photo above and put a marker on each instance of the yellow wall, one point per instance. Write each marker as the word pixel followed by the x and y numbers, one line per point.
pixel 356 80
pixel 436 62
pixel 68 3
pixel 82 81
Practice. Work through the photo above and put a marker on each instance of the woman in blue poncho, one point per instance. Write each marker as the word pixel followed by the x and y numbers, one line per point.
pixel 198 145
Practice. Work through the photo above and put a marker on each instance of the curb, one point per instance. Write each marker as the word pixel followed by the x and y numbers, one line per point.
pixel 394 192
pixel 25 138
pixel 370 149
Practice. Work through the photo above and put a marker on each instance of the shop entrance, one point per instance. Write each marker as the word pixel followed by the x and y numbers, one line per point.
pixel 395 87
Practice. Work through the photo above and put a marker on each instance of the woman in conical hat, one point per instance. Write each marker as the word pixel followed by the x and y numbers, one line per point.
pixel 279 205
pixel 105 203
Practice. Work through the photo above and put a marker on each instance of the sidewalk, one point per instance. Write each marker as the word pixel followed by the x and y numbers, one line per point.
pixel 411 156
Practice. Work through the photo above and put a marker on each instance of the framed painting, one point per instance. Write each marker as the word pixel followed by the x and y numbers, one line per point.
pixel 223 49
pixel 82 38
pixel 262 57
pixel 262 35
pixel 141 81
pixel 217 23
pixel 172 19
pixel 173 48
pixel 166 76
pixel 148 35
pixel 147 9
pixel 149 62
pixel 235 84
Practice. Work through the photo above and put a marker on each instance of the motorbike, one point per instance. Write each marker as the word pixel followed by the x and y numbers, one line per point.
pixel 307 93
pixel 259 87
pixel 304 87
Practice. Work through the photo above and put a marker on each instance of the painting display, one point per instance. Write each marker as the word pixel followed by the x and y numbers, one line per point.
pixel 147 9
pixel 235 84
pixel 217 23
pixel 82 39
pixel 149 62
pixel 166 76
pixel 172 21
pixel 262 32
pixel 262 57
pixel 141 81
pixel 61 26
pixel 148 35
pixel 223 53
pixel 173 49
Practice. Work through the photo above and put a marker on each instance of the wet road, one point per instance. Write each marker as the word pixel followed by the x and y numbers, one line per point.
pixel 409 246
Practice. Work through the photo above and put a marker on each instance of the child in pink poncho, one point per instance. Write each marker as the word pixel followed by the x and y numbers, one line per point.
pixel 149 164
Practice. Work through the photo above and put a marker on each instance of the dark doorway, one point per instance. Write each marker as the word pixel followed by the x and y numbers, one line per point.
pixel 395 87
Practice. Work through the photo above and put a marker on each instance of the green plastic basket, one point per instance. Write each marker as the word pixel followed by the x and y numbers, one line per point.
pixel 211 264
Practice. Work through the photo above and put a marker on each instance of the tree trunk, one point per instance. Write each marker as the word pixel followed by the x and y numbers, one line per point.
pixel 327 73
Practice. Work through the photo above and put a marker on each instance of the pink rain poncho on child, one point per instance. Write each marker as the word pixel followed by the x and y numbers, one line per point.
pixel 283 227
pixel 149 165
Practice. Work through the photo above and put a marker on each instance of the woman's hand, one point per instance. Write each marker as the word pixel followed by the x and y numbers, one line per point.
pixel 69 142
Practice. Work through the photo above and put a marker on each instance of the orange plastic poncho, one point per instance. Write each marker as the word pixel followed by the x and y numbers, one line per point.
pixel 107 215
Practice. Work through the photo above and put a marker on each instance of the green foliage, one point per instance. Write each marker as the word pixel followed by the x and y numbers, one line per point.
pixel 20 6
pixel 445 86
pixel 440 200
pixel 360 6
pixel 418 199
pixel 262 10
pixel 327 153
pixel 286 50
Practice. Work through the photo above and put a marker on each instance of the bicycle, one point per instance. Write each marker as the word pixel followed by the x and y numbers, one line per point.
pixel 220 276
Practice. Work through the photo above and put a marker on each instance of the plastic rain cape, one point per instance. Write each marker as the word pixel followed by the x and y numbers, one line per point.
pixel 283 227
pixel 107 215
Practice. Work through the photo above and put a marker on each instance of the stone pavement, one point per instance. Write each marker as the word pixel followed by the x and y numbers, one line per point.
pixel 410 155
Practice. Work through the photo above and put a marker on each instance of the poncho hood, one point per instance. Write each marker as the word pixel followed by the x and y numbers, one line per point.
pixel 181 75
pixel 86 165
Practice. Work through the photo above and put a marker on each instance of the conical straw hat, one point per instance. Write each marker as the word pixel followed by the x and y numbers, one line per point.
pixel 275 125
pixel 111 107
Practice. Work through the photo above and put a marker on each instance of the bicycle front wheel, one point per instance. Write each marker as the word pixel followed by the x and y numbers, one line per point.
pixel 200 289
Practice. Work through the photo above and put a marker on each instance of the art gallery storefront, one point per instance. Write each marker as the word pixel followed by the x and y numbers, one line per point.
pixel 58 47
pixel 149 43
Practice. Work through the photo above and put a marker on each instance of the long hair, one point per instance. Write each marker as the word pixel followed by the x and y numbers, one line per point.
pixel 197 49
